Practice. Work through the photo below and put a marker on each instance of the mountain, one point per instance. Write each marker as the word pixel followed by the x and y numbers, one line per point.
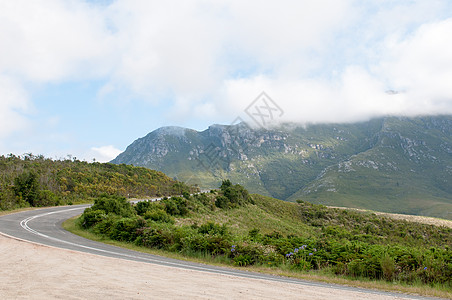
pixel 393 164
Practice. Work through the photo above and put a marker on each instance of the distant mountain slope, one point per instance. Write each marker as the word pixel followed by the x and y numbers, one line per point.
pixel 390 164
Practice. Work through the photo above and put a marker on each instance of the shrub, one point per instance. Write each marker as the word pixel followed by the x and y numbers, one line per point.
pixel 254 234
pixel 159 235
pixel 194 242
pixel 243 260
pixel 301 264
pixel 142 206
pixel 213 229
pixel 91 217
pixel 232 195
pixel 158 215
pixel 106 225
pixel 388 267
pixel 236 194
pixel 203 199
pixel 115 204
pixel 125 229
pixel 176 206
pixel 222 202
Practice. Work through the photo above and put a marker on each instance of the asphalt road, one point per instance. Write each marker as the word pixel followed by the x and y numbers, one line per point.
pixel 43 226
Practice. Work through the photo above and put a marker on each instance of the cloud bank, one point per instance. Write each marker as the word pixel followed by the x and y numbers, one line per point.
pixel 321 61
pixel 104 153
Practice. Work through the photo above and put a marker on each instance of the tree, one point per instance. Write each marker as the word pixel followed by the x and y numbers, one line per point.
pixel 26 186
pixel 225 184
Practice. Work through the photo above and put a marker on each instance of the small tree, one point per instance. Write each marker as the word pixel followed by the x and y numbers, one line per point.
pixel 225 184
pixel 26 187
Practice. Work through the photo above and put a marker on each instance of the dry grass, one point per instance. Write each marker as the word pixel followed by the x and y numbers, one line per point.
pixel 409 218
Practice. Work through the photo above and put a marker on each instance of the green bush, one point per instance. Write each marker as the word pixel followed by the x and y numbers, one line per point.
pixel 158 236
pixel 158 215
pixel 26 187
pixel 175 206
pixel 222 202
pixel 142 206
pixel 125 229
pixel 114 204
pixel 236 195
pixel 243 260
pixel 213 229
pixel 91 217
pixel 105 226
pixel 388 267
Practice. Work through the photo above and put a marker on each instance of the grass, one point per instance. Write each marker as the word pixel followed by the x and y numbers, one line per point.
pixel 319 276
pixel 269 216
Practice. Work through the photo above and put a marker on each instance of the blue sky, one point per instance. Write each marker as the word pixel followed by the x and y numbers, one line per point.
pixel 87 78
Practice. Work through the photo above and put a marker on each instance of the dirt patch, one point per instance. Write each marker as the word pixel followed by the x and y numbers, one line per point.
pixel 409 218
pixel 40 272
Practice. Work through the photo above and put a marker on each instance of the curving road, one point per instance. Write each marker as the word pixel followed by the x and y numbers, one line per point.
pixel 43 226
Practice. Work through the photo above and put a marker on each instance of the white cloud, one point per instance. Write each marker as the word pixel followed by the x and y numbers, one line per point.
pixel 52 40
pixel 421 65
pixel 322 61
pixel 418 66
pixel 189 50
pixel 104 153
pixel 13 104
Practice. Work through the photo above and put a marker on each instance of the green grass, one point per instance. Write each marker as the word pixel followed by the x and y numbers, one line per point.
pixel 267 215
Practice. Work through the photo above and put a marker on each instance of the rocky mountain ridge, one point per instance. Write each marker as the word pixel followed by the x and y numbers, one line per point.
pixel 394 164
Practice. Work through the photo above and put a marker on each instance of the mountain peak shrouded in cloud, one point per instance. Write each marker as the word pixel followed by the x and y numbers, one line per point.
pixel 109 70
pixel 396 164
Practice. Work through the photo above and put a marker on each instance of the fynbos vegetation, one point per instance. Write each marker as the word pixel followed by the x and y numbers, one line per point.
pixel 38 181
pixel 244 230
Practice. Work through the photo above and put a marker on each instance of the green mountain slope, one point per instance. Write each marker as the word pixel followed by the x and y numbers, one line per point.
pixel 391 164
pixel 408 170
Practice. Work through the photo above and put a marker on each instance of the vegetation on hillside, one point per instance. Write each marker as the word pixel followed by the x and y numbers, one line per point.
pixel 248 230
pixel 38 181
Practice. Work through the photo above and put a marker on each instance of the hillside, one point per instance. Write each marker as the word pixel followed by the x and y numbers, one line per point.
pixel 229 226
pixel 38 181
pixel 392 164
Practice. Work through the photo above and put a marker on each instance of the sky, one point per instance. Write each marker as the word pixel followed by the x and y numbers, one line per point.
pixel 87 78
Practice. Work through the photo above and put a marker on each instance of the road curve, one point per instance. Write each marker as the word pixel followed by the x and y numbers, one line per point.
pixel 43 226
